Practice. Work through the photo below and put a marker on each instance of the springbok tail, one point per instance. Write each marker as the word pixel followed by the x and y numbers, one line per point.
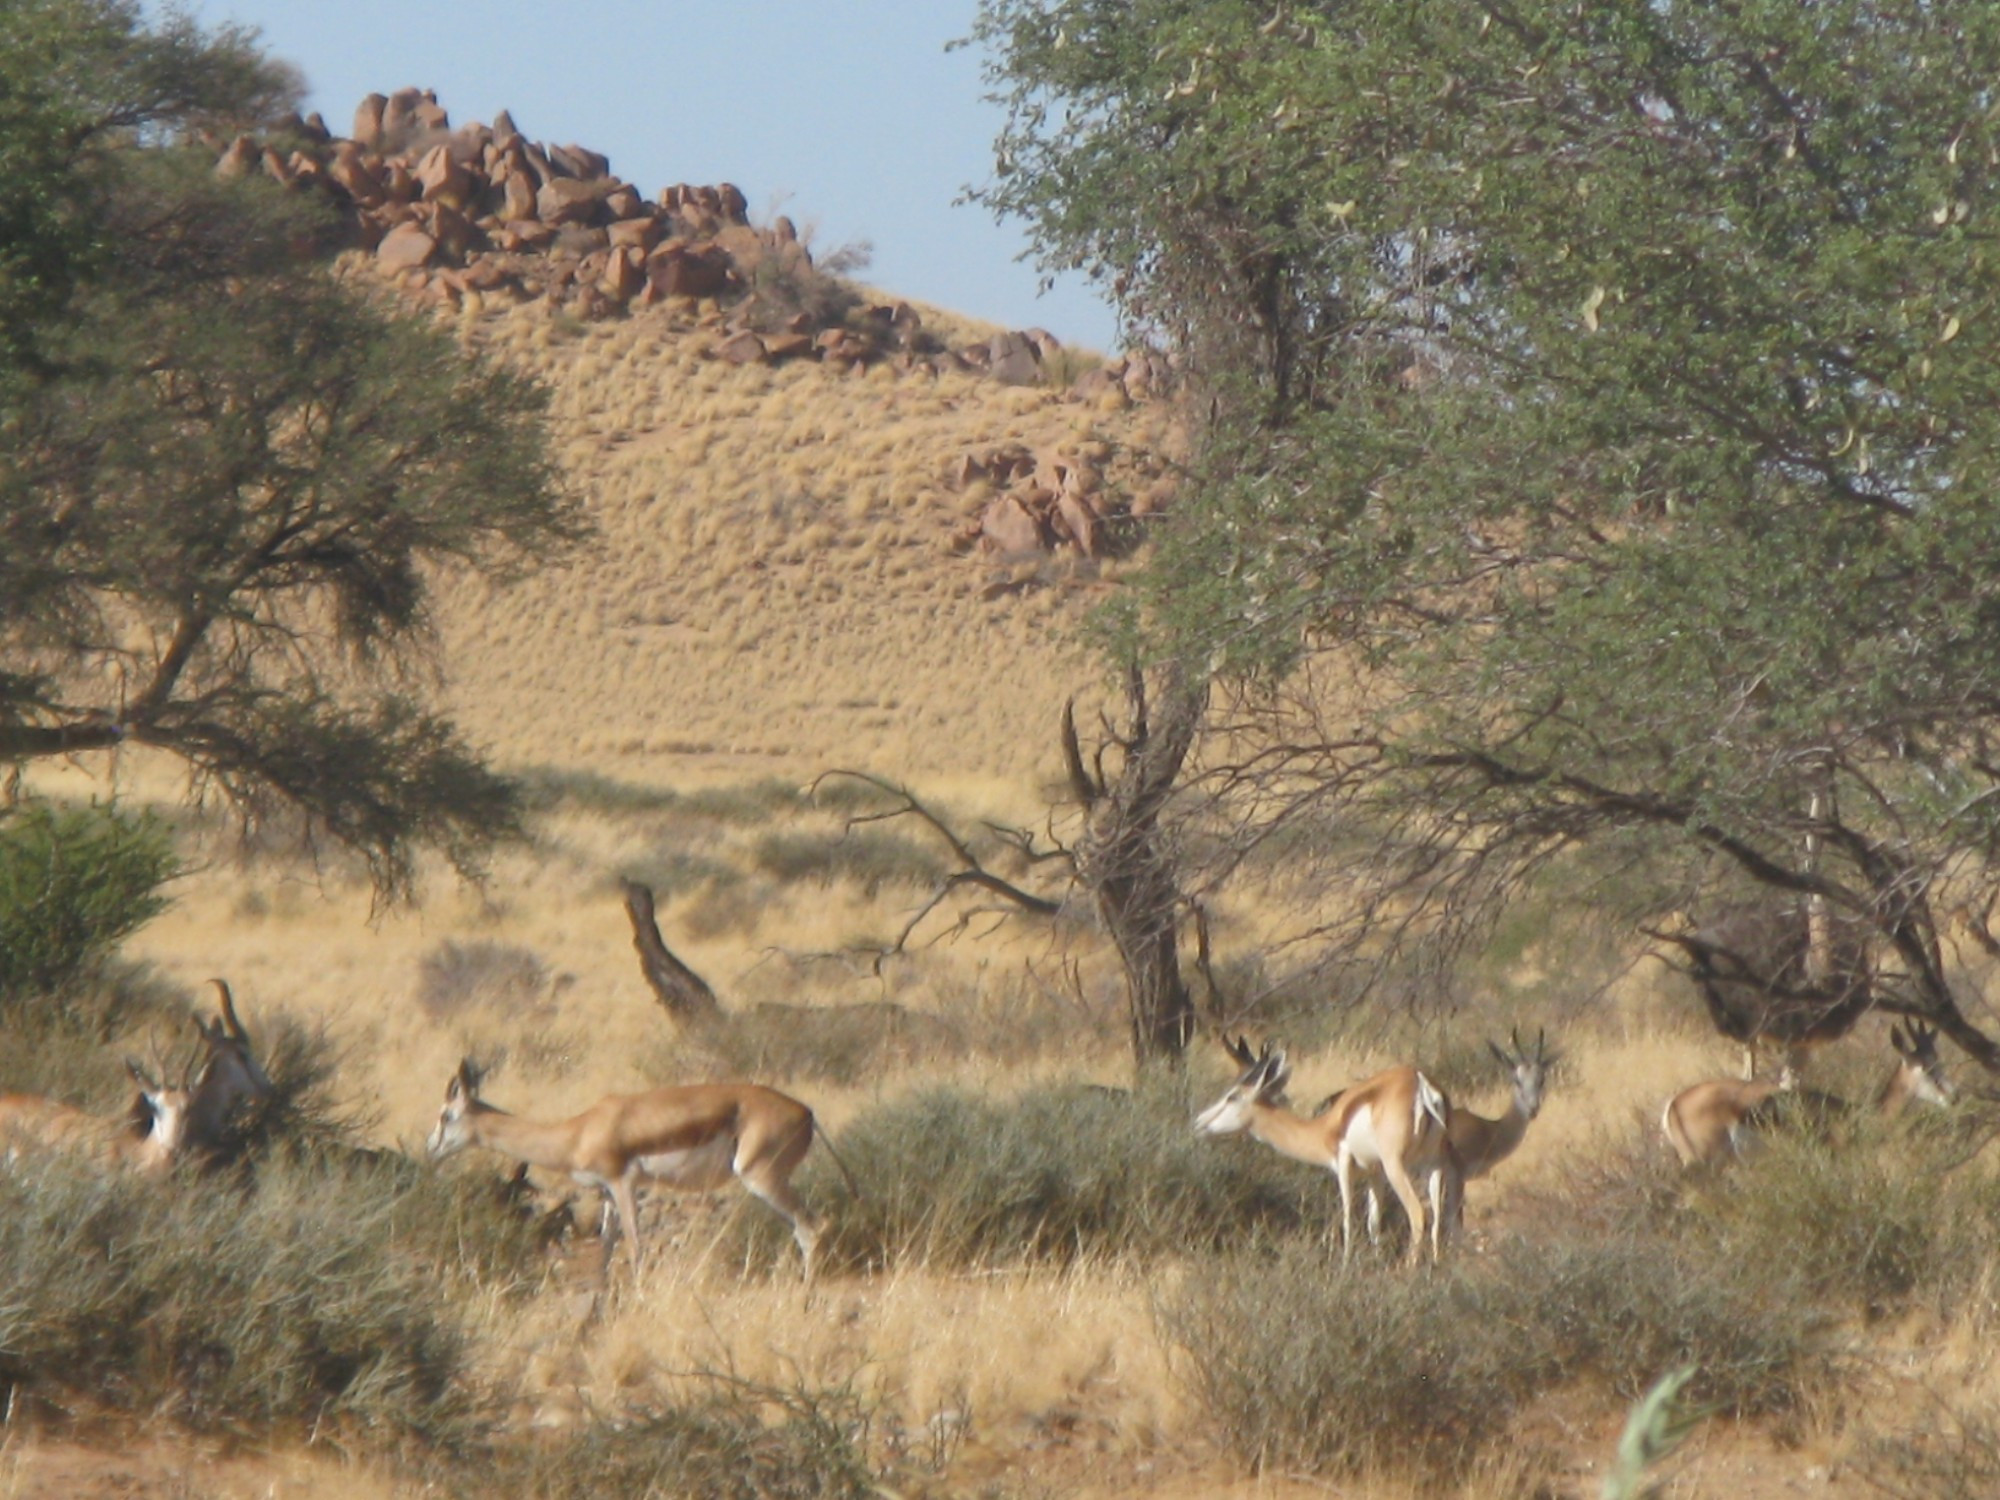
pixel 853 1187
pixel 1430 1101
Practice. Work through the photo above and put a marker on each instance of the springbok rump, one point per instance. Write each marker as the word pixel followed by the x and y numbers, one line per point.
pixel 695 1138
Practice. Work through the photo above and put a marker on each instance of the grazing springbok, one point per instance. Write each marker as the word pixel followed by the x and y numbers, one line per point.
pixel 1712 1122
pixel 1482 1144
pixel 232 1076
pixel 694 1138
pixel 1394 1123
pixel 146 1138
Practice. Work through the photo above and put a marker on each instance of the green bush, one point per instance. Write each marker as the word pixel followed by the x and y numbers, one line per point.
pixel 74 882
pixel 1058 1174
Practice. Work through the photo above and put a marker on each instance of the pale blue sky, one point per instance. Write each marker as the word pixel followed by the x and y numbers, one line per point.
pixel 849 116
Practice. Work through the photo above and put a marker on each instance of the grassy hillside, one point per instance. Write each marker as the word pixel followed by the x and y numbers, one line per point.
pixel 772 589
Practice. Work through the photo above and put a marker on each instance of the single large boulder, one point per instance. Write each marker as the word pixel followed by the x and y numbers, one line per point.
pixel 567 200
pixel 442 178
pixel 405 248
pixel 368 122
pixel 1007 526
pixel 678 269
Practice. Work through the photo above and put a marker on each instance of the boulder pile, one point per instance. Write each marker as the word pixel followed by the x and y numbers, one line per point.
pixel 1040 500
pixel 480 211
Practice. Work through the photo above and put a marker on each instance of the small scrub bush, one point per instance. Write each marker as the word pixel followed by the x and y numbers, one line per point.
pixel 1058 1174
pixel 455 976
pixel 871 859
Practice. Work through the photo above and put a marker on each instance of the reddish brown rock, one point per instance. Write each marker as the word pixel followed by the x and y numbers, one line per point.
pixel 567 200
pixel 784 346
pixel 525 234
pixel 624 274
pixel 442 178
pixel 635 234
pixel 1008 526
pixel 350 169
pixel 456 235
pixel 731 205
pixel 399 118
pixel 517 196
pixel 684 271
pixel 743 245
pixel 398 186
pixel 624 202
pixel 743 348
pixel 1013 359
pixel 1081 524
pixel 577 162
pixel 405 247
pixel 368 122
pixel 243 154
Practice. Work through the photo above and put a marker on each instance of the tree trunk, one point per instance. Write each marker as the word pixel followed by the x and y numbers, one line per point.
pixel 684 993
pixel 1127 862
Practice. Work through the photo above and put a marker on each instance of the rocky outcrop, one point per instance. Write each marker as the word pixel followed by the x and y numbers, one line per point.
pixel 1055 498
pixel 482 210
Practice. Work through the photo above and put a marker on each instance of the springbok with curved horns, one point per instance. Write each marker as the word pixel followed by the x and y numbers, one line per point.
pixel 694 1137
pixel 1394 1123
pixel 1709 1123
pixel 146 1138
pixel 1482 1144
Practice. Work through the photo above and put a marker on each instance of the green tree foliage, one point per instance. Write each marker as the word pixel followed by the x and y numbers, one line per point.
pixel 1606 440
pixel 74 882
pixel 226 481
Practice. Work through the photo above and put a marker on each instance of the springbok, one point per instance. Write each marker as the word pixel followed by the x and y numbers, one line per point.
pixel 1482 1144
pixel 231 1076
pixel 1711 1122
pixel 146 1138
pixel 694 1137
pixel 1394 1123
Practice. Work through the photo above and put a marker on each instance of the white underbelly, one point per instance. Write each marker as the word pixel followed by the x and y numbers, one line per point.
pixel 697 1169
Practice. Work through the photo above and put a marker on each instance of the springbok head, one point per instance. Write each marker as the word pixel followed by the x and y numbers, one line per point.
pixel 1262 1082
pixel 1530 1070
pixel 461 1098
pixel 161 1113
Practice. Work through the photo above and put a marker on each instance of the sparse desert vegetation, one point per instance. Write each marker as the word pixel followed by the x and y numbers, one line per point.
pixel 1036 1277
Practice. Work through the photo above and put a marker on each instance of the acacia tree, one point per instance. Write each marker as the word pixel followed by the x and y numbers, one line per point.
pixel 1641 507
pixel 226 481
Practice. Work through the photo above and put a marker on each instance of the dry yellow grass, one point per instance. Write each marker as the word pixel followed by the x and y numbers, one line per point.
pixel 770 596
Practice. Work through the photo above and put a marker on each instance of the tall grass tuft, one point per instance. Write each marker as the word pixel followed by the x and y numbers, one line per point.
pixel 736 1440
pixel 299 1300
pixel 1302 1362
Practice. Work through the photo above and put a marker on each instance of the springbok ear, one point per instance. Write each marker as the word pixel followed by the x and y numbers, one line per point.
pixel 1899 1041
